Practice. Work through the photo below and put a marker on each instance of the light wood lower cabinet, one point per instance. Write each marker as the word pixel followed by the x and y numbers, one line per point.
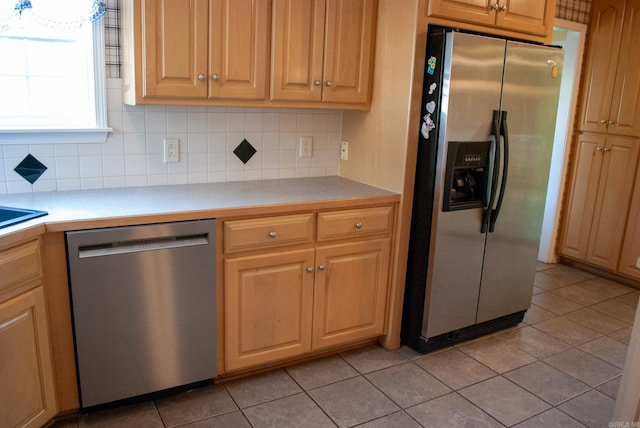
pixel 350 292
pixel 598 205
pixel 630 254
pixel 27 395
pixel 268 300
pixel 289 302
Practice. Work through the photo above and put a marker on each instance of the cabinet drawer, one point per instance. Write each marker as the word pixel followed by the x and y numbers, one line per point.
pixel 349 223
pixel 240 235
pixel 19 265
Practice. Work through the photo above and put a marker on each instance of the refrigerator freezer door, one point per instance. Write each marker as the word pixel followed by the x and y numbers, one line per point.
pixel 471 90
pixel 530 96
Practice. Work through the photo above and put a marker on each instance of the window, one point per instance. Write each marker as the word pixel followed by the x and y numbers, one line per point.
pixel 52 79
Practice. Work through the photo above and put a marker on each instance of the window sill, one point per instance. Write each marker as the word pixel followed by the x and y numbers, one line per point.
pixel 49 136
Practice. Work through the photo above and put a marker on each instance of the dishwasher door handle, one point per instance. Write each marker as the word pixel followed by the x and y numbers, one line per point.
pixel 138 246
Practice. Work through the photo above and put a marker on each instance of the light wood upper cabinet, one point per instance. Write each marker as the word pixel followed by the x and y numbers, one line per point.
pixel 611 87
pixel 322 50
pixel 254 53
pixel 598 206
pixel 28 397
pixel 195 50
pixel 173 47
pixel 525 16
pixel 477 11
pixel 239 49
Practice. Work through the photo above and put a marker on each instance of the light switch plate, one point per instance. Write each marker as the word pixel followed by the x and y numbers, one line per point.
pixel 638 262
pixel 344 150
pixel 306 147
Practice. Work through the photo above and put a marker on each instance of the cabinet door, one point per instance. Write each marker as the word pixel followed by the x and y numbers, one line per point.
pixel 604 46
pixel 476 11
pixel 620 157
pixel 625 107
pixel 349 49
pixel 525 15
pixel 28 392
pixel 268 301
pixel 350 292
pixel 238 49
pixel 297 49
pixel 174 38
pixel 630 254
pixel 582 197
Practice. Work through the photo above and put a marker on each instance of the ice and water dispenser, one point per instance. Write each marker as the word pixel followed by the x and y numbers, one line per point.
pixel 467 175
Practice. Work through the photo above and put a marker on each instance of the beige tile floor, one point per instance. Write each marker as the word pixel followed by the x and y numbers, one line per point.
pixel 561 367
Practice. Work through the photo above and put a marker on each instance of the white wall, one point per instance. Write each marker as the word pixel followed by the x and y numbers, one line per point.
pixel 571 36
pixel 132 155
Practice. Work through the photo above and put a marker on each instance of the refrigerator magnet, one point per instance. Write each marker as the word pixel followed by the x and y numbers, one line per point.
pixel 431 65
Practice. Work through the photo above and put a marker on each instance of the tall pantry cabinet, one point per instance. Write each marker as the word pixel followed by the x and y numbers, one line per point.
pixel 598 226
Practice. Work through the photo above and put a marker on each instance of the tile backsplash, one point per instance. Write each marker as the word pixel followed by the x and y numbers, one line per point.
pixel 133 153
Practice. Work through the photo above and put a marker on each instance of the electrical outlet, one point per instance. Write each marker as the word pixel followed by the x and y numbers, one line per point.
pixel 344 150
pixel 171 150
pixel 638 263
pixel 306 147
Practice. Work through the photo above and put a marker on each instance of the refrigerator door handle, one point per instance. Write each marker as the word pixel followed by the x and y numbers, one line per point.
pixel 504 132
pixel 493 178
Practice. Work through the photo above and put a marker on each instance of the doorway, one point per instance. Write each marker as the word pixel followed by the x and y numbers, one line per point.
pixel 571 36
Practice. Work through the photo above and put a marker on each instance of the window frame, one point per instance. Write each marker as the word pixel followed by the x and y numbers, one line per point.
pixel 97 134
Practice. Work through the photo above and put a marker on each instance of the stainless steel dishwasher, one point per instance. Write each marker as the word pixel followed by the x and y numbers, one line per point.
pixel 143 304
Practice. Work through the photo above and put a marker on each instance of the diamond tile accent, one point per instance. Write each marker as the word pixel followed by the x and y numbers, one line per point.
pixel 244 151
pixel 30 168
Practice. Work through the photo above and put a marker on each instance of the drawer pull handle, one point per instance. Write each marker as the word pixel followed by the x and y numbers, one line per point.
pixel 358 225
pixel 272 234
pixel 321 267
pixel 310 269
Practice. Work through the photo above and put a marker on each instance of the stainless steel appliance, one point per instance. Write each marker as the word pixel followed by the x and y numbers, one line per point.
pixel 144 300
pixel 487 123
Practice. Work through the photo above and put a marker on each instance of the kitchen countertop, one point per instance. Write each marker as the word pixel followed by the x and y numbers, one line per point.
pixel 78 209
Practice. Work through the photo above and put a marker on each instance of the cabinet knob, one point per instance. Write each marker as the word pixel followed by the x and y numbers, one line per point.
pixel 201 77
pixel 611 122
pixel 503 8
pixel 329 83
pixel 321 267
pixel 598 149
pixel 310 269
pixel 606 149
pixel 358 225
pixel 495 6
pixel 215 77
pixel 317 83
pixel 272 234
pixel 603 121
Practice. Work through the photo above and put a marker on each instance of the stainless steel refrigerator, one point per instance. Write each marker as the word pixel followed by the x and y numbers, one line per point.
pixel 487 124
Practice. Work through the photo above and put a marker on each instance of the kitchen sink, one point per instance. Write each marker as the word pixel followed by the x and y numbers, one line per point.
pixel 10 216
